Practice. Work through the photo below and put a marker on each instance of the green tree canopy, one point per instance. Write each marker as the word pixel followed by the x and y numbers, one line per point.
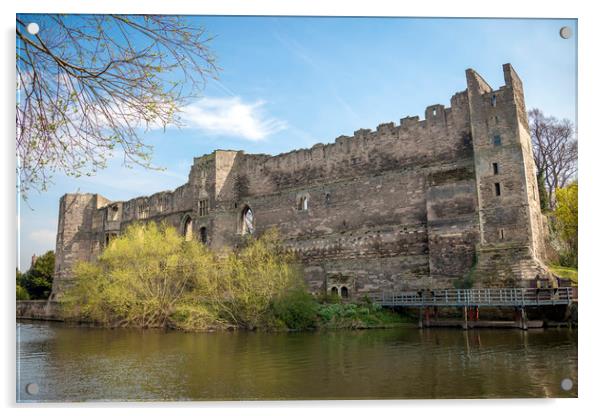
pixel 566 215
pixel 37 281
pixel 151 277
pixel 21 291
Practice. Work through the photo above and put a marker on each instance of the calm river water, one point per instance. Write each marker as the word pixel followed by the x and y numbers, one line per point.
pixel 90 364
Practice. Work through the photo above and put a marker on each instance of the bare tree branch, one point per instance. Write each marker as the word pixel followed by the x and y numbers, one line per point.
pixel 87 85
pixel 554 151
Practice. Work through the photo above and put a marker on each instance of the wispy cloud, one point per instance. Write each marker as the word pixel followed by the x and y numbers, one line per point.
pixel 43 236
pixel 231 116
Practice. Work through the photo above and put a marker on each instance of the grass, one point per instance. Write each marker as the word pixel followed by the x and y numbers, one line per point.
pixel 565 272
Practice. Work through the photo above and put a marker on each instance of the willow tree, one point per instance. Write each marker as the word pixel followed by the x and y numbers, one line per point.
pixel 87 85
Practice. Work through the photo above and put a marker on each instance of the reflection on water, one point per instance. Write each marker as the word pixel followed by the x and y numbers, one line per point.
pixel 80 364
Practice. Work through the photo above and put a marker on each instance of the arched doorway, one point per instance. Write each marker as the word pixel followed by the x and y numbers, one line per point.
pixel 334 291
pixel 344 292
pixel 203 234
pixel 247 221
pixel 187 228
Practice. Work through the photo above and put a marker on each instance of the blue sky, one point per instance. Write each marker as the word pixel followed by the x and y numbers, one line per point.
pixel 291 82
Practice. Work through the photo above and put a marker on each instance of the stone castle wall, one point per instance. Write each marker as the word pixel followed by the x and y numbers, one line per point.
pixel 406 206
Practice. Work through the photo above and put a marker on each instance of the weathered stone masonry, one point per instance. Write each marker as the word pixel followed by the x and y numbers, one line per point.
pixel 419 204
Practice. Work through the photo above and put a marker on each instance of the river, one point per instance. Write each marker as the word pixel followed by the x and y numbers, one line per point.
pixel 69 363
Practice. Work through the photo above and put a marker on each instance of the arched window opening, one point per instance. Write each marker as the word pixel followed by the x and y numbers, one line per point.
pixel 203 233
pixel 188 229
pixel 334 291
pixel 303 203
pixel 247 220
pixel 114 213
pixel 344 292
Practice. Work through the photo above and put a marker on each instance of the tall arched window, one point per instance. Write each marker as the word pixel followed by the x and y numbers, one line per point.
pixel 247 225
pixel 188 229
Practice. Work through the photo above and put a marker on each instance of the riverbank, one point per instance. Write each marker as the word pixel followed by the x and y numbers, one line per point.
pixel 327 316
pixel 42 310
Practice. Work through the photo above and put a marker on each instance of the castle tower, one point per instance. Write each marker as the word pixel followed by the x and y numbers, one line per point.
pixel 511 224
pixel 76 237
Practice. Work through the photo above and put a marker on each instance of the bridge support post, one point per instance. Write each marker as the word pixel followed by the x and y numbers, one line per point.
pixel 420 318
pixel 523 319
pixel 465 322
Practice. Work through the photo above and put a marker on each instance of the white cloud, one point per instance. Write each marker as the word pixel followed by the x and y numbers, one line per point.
pixel 231 117
pixel 42 236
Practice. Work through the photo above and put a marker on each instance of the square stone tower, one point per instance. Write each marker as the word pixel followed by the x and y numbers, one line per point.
pixel 511 243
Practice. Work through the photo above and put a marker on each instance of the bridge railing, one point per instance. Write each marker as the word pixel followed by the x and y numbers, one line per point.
pixel 475 297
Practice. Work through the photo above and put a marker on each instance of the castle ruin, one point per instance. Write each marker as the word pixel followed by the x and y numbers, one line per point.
pixel 422 204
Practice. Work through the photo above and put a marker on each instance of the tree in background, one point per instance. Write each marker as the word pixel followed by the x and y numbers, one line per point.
pixel 86 84
pixel 21 291
pixel 566 222
pixel 555 154
pixel 37 281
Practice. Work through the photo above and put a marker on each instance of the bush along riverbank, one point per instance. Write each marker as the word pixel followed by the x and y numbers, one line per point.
pixel 151 277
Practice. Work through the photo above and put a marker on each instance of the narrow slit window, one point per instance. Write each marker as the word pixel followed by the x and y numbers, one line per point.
pixel 496 169
pixel 501 233
pixel 498 189
pixel 497 140
pixel 493 100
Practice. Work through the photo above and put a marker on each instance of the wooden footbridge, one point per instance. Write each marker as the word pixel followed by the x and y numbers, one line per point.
pixel 470 300
pixel 494 297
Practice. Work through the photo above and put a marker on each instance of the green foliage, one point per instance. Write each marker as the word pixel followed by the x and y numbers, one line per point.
pixel 246 282
pixel 37 281
pixel 565 272
pixel 151 277
pixel 566 219
pixel 296 309
pixel 141 279
pixel 355 316
pixel 22 293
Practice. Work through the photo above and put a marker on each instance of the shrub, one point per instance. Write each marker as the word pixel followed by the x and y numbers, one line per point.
pixel 296 309
pixel 22 293
pixel 566 215
pixel 140 278
pixel 151 277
